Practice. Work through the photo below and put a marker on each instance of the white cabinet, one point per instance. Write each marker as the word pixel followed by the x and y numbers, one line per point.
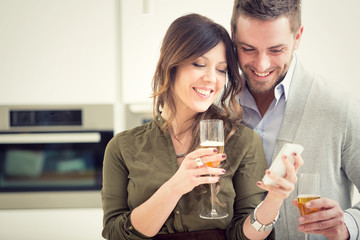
pixel 143 26
pixel 58 51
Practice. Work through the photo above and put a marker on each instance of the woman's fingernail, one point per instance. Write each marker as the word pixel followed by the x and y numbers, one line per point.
pixel 258 183
pixel 295 154
pixel 223 171
pixel 268 172
pixel 215 150
pixel 223 156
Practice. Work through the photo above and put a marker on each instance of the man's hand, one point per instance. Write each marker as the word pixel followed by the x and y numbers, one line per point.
pixel 328 221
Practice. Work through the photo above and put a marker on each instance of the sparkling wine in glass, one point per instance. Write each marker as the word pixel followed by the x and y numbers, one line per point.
pixel 212 136
pixel 308 189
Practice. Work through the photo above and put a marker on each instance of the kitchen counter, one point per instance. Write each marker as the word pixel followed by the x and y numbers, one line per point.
pixel 54 224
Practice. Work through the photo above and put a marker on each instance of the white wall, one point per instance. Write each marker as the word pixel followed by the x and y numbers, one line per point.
pixel 142 34
pixel 330 42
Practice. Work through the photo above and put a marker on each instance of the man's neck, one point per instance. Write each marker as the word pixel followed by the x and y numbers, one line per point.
pixel 263 100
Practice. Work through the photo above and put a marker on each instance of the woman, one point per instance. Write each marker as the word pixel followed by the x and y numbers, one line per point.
pixel 152 184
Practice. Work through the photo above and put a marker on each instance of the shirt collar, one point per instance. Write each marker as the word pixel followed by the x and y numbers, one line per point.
pixel 285 83
pixel 282 87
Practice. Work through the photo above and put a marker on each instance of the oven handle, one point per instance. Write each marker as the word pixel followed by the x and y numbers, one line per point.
pixel 18 138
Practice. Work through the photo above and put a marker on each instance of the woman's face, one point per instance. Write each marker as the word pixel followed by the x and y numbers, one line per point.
pixel 198 83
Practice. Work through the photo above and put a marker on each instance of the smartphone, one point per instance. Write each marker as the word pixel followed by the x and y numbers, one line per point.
pixel 278 166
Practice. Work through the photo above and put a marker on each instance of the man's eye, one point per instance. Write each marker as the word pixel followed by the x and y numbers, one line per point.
pixel 247 49
pixel 276 50
pixel 198 65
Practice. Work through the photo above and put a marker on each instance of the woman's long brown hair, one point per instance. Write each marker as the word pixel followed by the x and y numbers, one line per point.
pixel 188 38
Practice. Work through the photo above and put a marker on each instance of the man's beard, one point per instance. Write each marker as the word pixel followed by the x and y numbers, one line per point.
pixel 257 91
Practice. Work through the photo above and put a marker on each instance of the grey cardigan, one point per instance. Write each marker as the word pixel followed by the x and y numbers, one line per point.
pixel 326 121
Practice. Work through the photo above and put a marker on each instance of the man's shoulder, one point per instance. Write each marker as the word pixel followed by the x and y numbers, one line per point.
pixel 305 80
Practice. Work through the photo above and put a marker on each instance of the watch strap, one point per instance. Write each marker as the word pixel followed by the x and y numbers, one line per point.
pixel 257 225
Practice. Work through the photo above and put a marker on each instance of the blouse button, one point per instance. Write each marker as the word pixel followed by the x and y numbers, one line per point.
pixel 177 212
pixel 131 228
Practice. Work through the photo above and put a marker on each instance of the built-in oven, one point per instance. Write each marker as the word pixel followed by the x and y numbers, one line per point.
pixel 51 156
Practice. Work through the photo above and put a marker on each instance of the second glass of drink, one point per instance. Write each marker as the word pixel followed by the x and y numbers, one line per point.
pixel 308 189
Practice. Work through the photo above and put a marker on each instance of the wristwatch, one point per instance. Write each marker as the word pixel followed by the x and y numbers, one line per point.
pixel 257 225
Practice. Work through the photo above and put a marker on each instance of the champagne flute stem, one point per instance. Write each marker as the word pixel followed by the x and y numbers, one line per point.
pixel 307 236
pixel 212 190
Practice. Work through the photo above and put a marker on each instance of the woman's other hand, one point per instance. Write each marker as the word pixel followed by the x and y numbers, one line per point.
pixel 284 185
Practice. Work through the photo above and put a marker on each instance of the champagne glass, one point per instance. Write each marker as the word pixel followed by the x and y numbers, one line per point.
pixel 212 136
pixel 308 189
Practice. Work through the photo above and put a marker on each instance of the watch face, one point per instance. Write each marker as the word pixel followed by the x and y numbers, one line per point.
pixel 268 227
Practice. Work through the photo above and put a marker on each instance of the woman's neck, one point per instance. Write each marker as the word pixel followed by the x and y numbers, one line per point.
pixel 180 130
pixel 181 141
pixel 180 123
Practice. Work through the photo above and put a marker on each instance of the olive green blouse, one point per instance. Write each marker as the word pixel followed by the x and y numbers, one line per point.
pixel 138 161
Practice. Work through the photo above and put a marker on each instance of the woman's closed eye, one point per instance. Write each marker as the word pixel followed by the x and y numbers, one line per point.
pixel 222 71
pixel 198 65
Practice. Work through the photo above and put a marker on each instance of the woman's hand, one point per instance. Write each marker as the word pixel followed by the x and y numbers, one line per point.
pixel 284 185
pixel 269 208
pixel 190 175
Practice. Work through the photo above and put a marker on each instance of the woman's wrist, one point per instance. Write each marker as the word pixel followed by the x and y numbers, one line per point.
pixel 274 198
pixel 172 189
pixel 269 209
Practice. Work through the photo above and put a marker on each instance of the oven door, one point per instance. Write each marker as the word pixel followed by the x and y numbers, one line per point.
pixel 52 162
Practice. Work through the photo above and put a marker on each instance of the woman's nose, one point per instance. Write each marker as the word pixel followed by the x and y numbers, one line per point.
pixel 210 75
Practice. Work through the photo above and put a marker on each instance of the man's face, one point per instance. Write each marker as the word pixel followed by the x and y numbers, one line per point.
pixel 265 50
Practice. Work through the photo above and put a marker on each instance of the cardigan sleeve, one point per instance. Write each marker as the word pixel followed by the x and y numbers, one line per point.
pixel 350 162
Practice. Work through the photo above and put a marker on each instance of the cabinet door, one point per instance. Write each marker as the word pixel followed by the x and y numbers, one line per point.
pixel 143 26
pixel 58 52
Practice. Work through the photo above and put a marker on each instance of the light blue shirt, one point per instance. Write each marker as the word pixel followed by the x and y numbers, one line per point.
pixel 267 127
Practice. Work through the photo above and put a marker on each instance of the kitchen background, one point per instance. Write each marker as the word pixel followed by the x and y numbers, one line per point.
pixel 65 52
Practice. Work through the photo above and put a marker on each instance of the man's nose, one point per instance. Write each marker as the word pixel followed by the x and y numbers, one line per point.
pixel 262 63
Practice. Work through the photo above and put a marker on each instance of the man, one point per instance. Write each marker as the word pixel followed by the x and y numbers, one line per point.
pixel 283 102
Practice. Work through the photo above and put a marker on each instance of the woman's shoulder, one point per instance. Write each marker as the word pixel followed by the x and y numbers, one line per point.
pixel 244 136
pixel 137 133
pixel 245 147
pixel 244 131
